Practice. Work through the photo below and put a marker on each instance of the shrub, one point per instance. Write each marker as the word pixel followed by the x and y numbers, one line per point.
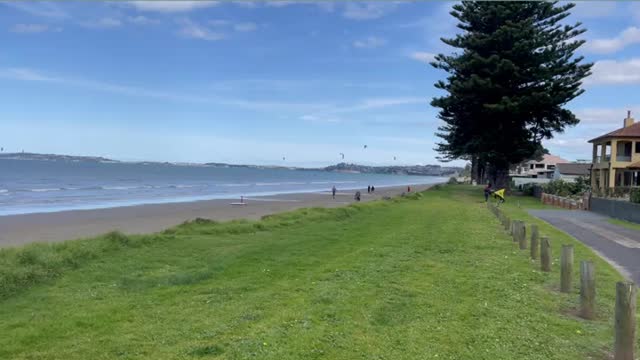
pixel 527 189
pixel 452 181
pixel 564 188
pixel 635 195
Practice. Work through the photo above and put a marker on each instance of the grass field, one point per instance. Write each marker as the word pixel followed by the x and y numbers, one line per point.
pixel 428 277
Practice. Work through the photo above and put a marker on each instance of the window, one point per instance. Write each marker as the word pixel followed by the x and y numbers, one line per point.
pixel 551 167
pixel 637 147
pixel 539 166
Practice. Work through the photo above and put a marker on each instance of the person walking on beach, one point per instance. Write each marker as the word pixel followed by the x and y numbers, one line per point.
pixel 408 189
pixel 369 189
pixel 487 192
pixel 357 196
pixel 333 191
pixel 373 188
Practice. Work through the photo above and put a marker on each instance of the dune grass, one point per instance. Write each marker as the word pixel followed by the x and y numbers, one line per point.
pixel 432 276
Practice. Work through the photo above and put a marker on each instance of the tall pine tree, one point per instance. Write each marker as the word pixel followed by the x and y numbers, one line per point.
pixel 514 71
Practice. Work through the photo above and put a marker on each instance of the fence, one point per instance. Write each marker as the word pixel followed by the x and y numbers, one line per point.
pixel 625 306
pixel 564 202
pixel 618 209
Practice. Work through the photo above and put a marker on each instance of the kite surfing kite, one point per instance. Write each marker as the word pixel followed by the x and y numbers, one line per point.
pixel 499 196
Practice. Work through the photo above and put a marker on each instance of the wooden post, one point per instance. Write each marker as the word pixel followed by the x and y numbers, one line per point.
pixel 507 223
pixel 522 236
pixel 587 290
pixel 566 268
pixel 534 242
pixel 545 254
pixel 624 347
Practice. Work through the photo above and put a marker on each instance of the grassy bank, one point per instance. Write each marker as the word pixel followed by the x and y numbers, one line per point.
pixel 433 277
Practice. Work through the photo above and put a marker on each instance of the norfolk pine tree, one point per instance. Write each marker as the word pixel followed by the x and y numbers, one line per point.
pixel 513 72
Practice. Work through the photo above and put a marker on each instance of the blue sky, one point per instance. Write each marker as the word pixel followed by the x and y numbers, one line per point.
pixel 253 82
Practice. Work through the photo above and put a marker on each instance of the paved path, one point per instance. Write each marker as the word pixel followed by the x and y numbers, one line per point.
pixel 618 245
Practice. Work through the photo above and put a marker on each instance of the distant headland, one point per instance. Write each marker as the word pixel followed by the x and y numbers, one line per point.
pixel 423 170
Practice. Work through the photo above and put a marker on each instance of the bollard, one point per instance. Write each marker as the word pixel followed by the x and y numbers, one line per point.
pixel 566 268
pixel 522 236
pixel 625 331
pixel 545 254
pixel 587 290
pixel 534 242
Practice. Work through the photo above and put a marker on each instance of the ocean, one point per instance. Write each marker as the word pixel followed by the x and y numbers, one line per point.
pixel 32 186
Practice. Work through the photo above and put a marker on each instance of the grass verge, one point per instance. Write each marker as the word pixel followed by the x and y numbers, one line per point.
pixel 626 224
pixel 427 277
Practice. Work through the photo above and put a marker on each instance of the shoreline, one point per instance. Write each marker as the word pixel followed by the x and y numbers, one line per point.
pixel 59 226
pixel 189 198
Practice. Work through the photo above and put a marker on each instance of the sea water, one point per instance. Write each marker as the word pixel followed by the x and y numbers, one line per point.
pixel 48 186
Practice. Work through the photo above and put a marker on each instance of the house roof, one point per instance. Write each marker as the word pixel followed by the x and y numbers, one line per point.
pixel 548 159
pixel 574 169
pixel 632 131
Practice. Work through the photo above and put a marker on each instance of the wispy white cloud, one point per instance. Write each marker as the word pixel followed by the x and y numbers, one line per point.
pixel 327 6
pixel 615 72
pixel 422 56
pixel 102 23
pixel 376 103
pixel 313 111
pixel 370 42
pixel 604 117
pixel 218 22
pixel 172 6
pixel 368 10
pixel 194 30
pixel 46 9
pixel 33 28
pixel 142 20
pixel 320 119
pixel 628 36
pixel 245 27
pixel 25 75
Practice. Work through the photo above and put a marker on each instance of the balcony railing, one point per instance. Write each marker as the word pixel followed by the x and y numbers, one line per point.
pixel 623 158
pixel 600 159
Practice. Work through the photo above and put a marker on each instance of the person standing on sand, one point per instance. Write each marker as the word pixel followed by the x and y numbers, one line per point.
pixel 369 189
pixel 373 188
pixel 408 189
pixel 333 191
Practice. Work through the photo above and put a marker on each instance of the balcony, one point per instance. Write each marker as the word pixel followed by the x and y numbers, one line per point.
pixel 602 159
pixel 623 158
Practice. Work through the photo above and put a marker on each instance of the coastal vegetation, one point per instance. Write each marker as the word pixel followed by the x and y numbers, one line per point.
pixel 427 276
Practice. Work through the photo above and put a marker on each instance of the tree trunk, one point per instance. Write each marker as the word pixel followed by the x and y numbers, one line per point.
pixel 500 178
pixel 474 169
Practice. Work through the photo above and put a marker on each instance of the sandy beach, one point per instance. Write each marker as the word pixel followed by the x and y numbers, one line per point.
pixel 65 225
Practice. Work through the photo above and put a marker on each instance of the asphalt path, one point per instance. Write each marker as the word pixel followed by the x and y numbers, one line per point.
pixel 620 246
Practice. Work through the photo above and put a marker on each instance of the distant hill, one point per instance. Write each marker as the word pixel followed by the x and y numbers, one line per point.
pixel 54 157
pixel 425 170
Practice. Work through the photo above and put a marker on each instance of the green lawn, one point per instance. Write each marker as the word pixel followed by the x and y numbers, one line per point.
pixel 431 277
pixel 626 224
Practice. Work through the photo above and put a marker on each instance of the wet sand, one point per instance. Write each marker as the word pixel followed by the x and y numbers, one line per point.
pixel 65 225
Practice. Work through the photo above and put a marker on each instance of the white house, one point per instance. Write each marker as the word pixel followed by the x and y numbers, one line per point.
pixel 543 169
